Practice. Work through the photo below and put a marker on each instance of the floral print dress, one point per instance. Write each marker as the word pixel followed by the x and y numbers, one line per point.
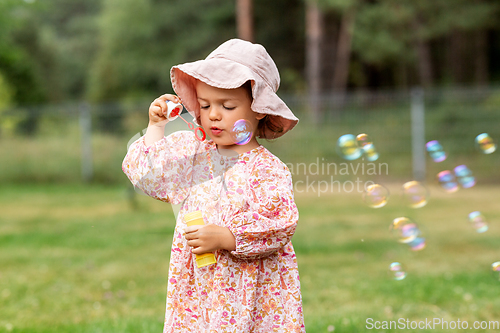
pixel 254 288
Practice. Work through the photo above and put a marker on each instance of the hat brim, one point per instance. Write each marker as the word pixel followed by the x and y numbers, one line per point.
pixel 227 74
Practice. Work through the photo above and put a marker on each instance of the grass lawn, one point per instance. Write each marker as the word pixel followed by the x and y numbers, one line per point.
pixel 77 258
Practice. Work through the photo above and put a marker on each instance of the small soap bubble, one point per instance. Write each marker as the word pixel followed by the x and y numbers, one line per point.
pixel 495 268
pixel 447 181
pixel 370 152
pixel 485 143
pixel 363 140
pixel 417 244
pixel 415 194
pixel 376 195
pixel 408 232
pixel 397 271
pixel 366 145
pixel 242 132
pixel 348 148
pixel 464 176
pixel 478 222
pixel 436 151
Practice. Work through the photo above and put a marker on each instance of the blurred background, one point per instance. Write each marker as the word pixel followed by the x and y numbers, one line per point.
pixel 86 71
pixel 80 251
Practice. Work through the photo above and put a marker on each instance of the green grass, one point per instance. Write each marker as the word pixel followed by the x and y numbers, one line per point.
pixel 344 250
pixel 77 258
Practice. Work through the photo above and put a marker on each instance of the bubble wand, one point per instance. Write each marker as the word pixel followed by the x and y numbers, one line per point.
pixel 174 111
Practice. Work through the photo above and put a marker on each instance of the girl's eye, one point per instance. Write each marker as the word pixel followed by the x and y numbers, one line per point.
pixel 204 107
pixel 229 108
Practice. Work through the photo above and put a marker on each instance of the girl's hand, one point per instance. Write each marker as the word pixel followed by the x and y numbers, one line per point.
pixel 208 238
pixel 158 109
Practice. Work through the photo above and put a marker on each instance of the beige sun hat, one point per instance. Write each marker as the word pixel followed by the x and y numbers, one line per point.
pixel 229 66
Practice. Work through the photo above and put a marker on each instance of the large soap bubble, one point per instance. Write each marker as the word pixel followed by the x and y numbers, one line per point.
pixel 415 194
pixel 242 132
pixel 447 181
pixel 376 195
pixel 408 232
pixel 464 176
pixel 366 145
pixel 436 151
pixel 348 148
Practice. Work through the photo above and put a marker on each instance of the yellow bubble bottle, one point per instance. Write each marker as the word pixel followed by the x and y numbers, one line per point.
pixel 205 259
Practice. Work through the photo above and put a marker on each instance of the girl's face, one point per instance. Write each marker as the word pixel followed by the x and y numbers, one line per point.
pixel 220 109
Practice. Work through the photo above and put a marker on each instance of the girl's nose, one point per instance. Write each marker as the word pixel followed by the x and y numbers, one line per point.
pixel 214 113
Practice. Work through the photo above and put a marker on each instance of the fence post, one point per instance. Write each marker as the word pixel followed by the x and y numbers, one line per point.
pixel 86 138
pixel 418 133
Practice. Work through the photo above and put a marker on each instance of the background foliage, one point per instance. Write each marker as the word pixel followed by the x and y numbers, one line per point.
pixel 103 50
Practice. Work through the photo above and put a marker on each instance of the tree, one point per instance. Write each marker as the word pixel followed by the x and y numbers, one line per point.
pixel 343 56
pixel 140 40
pixel 17 65
pixel 244 19
pixel 314 34
pixel 410 33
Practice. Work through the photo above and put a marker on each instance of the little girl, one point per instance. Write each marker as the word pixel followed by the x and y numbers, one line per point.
pixel 246 200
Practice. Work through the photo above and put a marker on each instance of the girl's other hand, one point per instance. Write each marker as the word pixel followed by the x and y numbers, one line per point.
pixel 208 238
pixel 158 109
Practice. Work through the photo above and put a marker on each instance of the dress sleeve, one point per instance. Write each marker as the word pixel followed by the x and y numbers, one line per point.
pixel 271 218
pixel 164 169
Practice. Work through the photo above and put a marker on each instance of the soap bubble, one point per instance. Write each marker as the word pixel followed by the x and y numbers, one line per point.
pixel 408 232
pixel 242 132
pixel 485 143
pixel 370 152
pixel 347 147
pixel 478 221
pixel 397 271
pixel 447 181
pixel 376 195
pixel 436 151
pixel 464 176
pixel 415 194
pixel 366 145
pixel 495 268
pixel 363 140
pixel 417 244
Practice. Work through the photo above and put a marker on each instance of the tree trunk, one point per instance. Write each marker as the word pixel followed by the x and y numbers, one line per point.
pixel 457 55
pixel 313 58
pixel 481 58
pixel 401 75
pixel 244 19
pixel 331 26
pixel 424 63
pixel 343 57
pixel 423 58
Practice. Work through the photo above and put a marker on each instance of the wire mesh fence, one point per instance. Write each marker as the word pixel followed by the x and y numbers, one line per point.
pixel 74 142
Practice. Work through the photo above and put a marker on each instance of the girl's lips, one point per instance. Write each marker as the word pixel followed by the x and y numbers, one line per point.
pixel 215 130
